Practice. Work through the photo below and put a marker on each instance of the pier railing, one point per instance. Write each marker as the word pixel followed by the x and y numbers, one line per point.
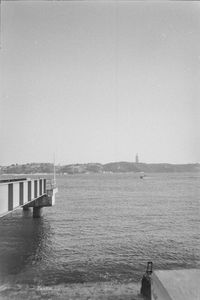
pixel 18 192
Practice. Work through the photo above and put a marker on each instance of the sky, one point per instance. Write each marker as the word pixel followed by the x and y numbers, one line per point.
pixel 99 81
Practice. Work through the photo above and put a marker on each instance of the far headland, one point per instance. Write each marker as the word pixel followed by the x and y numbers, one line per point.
pixel 111 167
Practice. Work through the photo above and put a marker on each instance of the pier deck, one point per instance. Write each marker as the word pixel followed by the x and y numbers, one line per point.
pixel 176 284
pixel 25 192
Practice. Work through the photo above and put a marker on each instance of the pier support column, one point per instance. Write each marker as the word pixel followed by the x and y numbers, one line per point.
pixel 26 211
pixel 26 208
pixel 37 212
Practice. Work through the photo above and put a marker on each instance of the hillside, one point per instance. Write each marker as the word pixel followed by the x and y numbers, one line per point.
pixel 113 167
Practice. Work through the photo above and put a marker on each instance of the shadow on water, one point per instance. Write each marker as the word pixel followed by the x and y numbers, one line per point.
pixel 23 244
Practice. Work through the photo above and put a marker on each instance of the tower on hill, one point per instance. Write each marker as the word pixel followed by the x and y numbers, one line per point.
pixel 136 158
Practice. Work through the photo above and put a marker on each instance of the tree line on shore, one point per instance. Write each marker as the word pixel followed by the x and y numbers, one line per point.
pixel 113 167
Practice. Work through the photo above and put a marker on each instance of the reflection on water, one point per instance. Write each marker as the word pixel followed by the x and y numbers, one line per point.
pixel 24 243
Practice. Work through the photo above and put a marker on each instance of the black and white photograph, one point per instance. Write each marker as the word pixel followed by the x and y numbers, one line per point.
pixel 99 150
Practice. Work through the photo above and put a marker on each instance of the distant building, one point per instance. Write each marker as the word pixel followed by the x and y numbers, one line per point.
pixel 136 159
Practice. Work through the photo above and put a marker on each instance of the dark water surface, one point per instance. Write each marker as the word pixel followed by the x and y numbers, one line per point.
pixel 95 242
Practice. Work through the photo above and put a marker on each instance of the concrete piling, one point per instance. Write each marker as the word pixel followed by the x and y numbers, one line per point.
pixel 37 212
pixel 26 208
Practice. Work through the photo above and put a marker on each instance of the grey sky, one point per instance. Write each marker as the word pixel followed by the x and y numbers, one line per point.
pixel 100 81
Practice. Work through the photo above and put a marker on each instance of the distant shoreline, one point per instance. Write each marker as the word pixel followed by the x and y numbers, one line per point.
pixel 113 167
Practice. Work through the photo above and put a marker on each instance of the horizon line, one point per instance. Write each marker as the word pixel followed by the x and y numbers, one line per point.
pixel 85 163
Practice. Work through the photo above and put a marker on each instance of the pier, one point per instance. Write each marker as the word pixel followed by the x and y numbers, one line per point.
pixel 182 284
pixel 176 284
pixel 26 193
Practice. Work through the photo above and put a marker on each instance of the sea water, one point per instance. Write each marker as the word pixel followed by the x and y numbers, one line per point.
pixel 95 242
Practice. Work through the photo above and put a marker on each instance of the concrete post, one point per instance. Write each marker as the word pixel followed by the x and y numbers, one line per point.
pixel 25 208
pixel 37 212
pixel 26 211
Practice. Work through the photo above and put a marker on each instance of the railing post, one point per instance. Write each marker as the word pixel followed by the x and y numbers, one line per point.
pixel 40 188
pixel 21 193
pixel 35 188
pixel 29 190
pixel 45 186
pixel 10 196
